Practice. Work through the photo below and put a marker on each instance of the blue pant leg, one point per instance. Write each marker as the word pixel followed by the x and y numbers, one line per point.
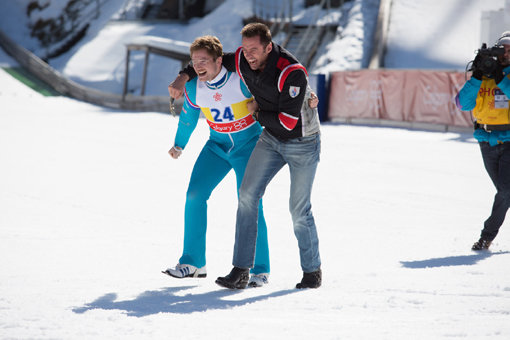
pixel 239 161
pixel 208 171
pixel 261 264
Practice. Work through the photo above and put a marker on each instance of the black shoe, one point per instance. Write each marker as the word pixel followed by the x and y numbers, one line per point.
pixel 237 279
pixel 481 244
pixel 311 280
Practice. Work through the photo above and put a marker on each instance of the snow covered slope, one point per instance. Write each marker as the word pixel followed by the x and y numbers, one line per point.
pixel 92 211
pixel 436 34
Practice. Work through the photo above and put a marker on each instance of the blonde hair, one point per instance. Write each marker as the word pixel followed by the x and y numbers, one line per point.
pixel 209 43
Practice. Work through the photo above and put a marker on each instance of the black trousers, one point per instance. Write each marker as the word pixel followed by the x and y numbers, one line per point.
pixel 497 163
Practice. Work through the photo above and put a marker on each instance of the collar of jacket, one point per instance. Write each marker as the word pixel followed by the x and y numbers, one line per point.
pixel 272 59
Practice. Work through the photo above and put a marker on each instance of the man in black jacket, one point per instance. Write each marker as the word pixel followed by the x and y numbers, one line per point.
pixel 291 136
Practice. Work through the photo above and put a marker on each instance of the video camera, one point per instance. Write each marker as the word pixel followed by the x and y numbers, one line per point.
pixel 487 59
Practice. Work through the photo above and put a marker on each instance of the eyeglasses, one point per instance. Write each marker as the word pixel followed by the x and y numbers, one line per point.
pixel 200 62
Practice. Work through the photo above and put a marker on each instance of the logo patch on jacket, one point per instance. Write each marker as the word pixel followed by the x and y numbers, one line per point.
pixel 294 91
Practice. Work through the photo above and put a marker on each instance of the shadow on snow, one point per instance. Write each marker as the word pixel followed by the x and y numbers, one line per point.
pixel 165 301
pixel 462 260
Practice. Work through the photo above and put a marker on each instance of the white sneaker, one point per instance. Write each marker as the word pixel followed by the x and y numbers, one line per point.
pixel 186 270
pixel 258 280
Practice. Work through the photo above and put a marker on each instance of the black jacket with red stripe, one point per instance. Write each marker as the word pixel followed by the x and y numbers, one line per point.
pixel 279 90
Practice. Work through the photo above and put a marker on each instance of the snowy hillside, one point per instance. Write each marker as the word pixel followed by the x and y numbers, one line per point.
pixel 432 34
pixel 436 34
pixel 92 211
pixel 98 60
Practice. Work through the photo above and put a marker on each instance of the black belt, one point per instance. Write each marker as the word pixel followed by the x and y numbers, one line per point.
pixel 489 128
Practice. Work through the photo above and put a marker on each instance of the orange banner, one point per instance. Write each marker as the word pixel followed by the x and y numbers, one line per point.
pixel 400 95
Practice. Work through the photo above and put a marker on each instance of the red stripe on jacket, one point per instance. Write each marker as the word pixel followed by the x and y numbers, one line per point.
pixel 285 73
pixel 288 121
pixel 238 62
pixel 189 100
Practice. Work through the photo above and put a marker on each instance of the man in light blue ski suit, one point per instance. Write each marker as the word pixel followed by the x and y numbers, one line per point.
pixel 225 102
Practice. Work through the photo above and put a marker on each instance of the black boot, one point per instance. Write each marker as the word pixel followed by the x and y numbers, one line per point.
pixel 237 279
pixel 311 280
pixel 481 244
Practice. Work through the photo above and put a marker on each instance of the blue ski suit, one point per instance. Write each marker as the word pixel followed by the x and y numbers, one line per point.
pixel 233 135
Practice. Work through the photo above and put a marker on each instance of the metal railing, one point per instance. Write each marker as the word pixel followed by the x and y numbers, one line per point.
pixel 312 36
pixel 273 10
pixel 300 41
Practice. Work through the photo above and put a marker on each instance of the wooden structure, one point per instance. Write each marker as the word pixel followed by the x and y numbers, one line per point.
pixel 160 46
pixel 61 84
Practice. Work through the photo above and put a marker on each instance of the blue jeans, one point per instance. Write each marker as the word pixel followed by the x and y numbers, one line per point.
pixel 497 163
pixel 269 157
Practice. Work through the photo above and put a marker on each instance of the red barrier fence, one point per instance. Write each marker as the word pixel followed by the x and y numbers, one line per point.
pixel 398 95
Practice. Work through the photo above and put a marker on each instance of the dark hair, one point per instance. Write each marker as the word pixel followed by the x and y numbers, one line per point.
pixel 257 29
pixel 209 43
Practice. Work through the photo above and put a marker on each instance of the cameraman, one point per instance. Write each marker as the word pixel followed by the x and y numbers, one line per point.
pixel 487 93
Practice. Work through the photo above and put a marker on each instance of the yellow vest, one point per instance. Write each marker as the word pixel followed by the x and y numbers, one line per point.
pixel 491 104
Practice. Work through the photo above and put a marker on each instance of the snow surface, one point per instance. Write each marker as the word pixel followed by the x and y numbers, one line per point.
pixel 92 211
pixel 436 34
